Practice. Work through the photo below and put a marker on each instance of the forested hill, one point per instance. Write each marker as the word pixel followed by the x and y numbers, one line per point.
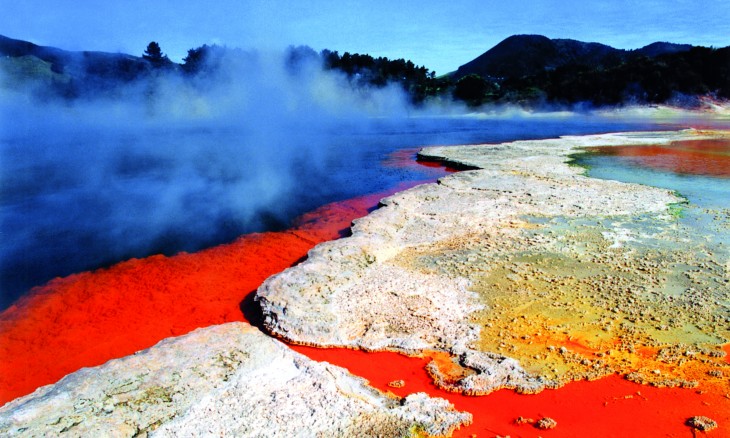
pixel 523 55
pixel 529 70
pixel 533 69
pixel 69 74
pixel 25 60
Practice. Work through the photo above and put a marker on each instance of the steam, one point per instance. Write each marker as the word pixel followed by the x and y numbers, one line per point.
pixel 172 162
pixel 177 162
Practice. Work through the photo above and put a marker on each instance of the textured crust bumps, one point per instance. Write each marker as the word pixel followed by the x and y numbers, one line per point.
pixel 701 423
pixel 228 380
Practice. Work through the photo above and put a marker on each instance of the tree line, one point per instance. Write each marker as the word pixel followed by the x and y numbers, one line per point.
pixel 678 78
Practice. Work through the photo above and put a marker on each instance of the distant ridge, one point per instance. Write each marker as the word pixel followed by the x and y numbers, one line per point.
pixel 663 48
pixel 65 72
pixel 61 59
pixel 529 70
pixel 523 55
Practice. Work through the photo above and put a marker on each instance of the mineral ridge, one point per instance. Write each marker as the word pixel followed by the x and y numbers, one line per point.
pixel 529 273
pixel 226 380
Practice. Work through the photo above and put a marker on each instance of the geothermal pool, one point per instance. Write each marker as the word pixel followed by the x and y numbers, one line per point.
pixel 78 197
pixel 90 317
pixel 663 321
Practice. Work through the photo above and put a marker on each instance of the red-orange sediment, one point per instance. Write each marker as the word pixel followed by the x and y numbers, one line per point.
pixel 693 157
pixel 608 407
pixel 89 318
pixel 404 158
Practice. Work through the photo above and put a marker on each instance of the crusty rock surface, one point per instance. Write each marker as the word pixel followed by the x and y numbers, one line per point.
pixel 358 291
pixel 546 423
pixel 702 423
pixel 227 380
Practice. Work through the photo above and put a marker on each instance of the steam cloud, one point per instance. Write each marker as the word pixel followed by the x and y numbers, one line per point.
pixel 178 163
pixel 170 163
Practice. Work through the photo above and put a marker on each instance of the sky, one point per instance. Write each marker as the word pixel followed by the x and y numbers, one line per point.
pixel 442 35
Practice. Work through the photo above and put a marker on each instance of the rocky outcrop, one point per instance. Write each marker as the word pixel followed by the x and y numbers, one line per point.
pixel 701 423
pixel 227 380
pixel 366 291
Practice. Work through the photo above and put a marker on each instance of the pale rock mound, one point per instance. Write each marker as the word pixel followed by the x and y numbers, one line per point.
pixel 227 380
pixel 358 292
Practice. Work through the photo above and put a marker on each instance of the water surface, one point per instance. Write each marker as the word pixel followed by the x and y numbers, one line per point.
pixel 698 170
pixel 74 198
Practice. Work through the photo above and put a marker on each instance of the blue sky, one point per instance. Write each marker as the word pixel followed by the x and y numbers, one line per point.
pixel 438 34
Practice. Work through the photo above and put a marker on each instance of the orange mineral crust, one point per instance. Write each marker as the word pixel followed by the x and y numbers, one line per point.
pixel 89 318
pixel 608 407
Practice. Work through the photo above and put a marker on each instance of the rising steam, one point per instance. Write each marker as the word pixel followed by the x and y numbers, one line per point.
pixel 178 162
pixel 172 162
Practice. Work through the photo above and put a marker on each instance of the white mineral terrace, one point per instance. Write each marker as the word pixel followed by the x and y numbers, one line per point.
pixel 496 266
pixel 439 266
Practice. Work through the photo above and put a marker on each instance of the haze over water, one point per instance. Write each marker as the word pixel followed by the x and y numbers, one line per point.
pixel 83 198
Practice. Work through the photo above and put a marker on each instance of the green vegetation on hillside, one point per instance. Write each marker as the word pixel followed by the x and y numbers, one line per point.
pixel 533 70
pixel 529 70
pixel 418 81
pixel 676 78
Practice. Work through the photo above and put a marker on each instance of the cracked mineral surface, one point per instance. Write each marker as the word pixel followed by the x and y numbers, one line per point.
pixel 223 380
pixel 528 272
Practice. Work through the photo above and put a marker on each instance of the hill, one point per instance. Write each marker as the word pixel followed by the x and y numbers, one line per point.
pixel 662 48
pixel 64 72
pixel 522 55
pixel 528 70
pixel 533 70
pixel 56 72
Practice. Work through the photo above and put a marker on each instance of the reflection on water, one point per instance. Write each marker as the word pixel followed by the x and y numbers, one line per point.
pixel 699 170
pixel 696 157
